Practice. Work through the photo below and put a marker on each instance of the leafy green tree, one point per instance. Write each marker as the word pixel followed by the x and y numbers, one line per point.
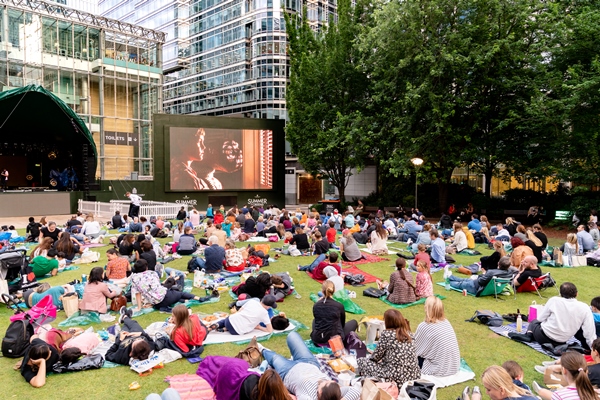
pixel 325 94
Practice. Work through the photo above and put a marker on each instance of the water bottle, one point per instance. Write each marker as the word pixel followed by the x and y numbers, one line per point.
pixel 447 284
pixel 519 322
pixel 263 366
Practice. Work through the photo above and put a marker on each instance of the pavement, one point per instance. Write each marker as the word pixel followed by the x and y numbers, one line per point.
pixel 21 222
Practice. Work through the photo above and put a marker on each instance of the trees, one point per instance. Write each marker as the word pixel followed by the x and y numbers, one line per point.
pixel 325 94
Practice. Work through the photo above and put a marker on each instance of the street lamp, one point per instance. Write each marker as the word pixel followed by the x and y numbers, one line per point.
pixel 417 163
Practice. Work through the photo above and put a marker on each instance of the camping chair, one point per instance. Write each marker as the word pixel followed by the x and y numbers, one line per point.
pixel 495 287
pixel 534 285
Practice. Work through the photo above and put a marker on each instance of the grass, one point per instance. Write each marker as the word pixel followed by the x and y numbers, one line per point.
pixel 479 346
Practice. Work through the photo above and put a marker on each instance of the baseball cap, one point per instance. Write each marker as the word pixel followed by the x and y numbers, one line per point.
pixel 270 300
pixel 345 231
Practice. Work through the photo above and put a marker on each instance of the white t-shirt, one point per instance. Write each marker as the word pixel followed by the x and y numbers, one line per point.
pixel 90 228
pixel 248 317
pixel 135 199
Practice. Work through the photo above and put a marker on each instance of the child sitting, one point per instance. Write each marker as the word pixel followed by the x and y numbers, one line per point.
pixel 516 373
pixel 421 256
pixel 423 283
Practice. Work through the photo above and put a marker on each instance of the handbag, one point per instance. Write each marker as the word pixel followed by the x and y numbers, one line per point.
pixel 578 261
pixel 418 390
pixel 118 302
pixel 372 292
pixel 70 303
pixel 557 256
pixel 251 355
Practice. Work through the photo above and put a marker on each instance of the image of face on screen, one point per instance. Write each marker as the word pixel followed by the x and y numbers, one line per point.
pixel 218 159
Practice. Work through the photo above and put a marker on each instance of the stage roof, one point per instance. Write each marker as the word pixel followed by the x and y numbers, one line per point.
pixel 33 115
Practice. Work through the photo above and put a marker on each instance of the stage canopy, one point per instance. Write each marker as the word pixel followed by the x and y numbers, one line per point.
pixel 38 125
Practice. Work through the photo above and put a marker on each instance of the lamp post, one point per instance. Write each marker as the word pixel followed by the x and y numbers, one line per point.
pixel 417 163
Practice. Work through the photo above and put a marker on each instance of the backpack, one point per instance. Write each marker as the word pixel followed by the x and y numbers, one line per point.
pixel 354 280
pixel 192 265
pixel 372 292
pixel 16 339
pixel 487 317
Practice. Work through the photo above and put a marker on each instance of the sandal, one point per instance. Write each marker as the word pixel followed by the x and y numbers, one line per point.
pixel 145 373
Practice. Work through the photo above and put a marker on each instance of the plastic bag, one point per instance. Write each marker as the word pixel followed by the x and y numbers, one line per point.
pixel 341 296
pixel 140 366
pixel 79 319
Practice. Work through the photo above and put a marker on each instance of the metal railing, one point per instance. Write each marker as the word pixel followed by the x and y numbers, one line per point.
pixel 147 208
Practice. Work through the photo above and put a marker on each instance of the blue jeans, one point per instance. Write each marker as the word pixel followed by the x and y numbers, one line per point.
pixel 463 283
pixel 320 258
pixel 201 263
pixel 168 394
pixel 178 273
pixel 300 354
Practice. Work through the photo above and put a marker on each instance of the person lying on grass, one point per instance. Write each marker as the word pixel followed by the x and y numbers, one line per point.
pixel 253 315
pixel 132 342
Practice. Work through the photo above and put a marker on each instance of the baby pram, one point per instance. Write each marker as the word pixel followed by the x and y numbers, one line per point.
pixel 44 312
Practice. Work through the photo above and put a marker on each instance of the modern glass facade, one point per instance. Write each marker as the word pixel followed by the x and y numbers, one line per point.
pixel 108 71
pixel 233 60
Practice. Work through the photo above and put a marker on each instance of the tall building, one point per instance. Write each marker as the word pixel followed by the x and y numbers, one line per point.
pixel 107 71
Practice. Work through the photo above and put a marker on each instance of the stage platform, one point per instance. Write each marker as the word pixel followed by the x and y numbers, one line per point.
pixel 37 204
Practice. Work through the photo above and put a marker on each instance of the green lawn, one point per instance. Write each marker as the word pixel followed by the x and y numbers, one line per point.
pixel 479 346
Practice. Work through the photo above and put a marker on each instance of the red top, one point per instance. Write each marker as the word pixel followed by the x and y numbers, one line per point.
pixel 218 218
pixel 330 233
pixel 181 339
pixel 318 274
pixel 424 257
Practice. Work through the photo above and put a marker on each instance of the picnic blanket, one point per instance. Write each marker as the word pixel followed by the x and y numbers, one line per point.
pixel 190 387
pixel 414 303
pixel 369 258
pixel 369 251
pixel 342 297
pixel 81 319
pixel 504 330
pixel 469 252
pixel 351 270
pixel 465 373
pixel 225 337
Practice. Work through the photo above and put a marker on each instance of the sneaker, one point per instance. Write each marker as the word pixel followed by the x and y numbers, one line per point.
pixel 160 270
pixel 540 369
pixel 536 387
pixel 476 390
pixel 409 242
pixel 465 393
pixel 124 312
pixel 548 363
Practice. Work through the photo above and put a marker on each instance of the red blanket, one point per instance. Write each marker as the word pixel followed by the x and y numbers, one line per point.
pixel 351 270
pixel 191 387
pixel 369 258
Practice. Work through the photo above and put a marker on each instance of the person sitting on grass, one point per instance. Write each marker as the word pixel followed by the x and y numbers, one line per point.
pixel 435 342
pixel 460 240
pixel 47 264
pixel 330 261
pixel 575 370
pixel 400 289
pixel 234 260
pixel 395 357
pixel 527 269
pixel 477 285
pixel 562 318
pixel 281 285
pixel 188 334
pixel 329 317
pixel 117 268
pixel 491 261
pixel 147 289
pixel 302 375
pixel 64 244
pixel 438 247
pixel 421 256
pixel 348 247
pixel 499 386
pixel 334 277
pixel 516 373
pixel 96 292
pixel 378 238
pixel 519 252
pixel 253 315
pixel 132 342
pixel 300 239
pixel 423 281
pixel 187 243
pixel 214 255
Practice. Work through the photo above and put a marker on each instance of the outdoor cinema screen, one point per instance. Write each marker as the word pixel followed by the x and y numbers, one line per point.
pixel 220 159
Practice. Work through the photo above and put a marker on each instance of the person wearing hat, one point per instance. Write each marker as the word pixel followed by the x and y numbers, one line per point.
pixel 337 220
pixel 253 315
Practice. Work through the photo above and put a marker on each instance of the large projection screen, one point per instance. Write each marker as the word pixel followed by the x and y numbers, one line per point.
pixel 220 159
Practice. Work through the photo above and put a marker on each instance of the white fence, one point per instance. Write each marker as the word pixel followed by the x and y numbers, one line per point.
pixel 147 208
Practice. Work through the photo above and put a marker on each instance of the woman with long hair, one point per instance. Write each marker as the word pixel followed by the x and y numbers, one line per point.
pixel 570 249
pixel 511 226
pixel 499 386
pixel 329 317
pixel 42 248
pixel 348 247
pixel 400 289
pixel 535 244
pixel 436 343
pixel 520 251
pixel 65 245
pixel 96 292
pixel 491 261
pixel 188 333
pixel 539 233
pixel 395 357
pixel 460 239
pixel 378 240
pixel 271 387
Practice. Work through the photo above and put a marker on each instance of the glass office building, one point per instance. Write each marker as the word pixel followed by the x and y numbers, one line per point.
pixel 108 71
pixel 222 57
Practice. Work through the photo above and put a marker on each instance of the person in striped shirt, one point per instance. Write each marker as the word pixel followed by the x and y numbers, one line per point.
pixel 575 370
pixel 302 375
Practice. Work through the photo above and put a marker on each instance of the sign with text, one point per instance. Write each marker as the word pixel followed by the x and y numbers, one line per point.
pixel 122 138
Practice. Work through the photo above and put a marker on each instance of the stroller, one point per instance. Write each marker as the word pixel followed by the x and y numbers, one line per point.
pixel 11 263
pixel 24 324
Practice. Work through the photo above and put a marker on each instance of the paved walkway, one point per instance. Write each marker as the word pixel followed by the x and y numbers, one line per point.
pixel 21 222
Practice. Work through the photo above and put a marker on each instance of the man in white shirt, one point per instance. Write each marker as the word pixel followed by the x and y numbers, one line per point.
pixel 562 318
pixel 249 317
pixel 134 206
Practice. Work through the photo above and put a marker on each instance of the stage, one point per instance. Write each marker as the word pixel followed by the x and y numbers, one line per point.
pixel 19 203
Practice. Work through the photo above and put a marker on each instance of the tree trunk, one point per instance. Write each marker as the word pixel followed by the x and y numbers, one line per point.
pixel 442 196
pixel 488 173
pixel 342 192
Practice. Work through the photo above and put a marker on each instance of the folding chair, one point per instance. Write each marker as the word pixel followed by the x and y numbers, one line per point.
pixel 534 285
pixel 495 287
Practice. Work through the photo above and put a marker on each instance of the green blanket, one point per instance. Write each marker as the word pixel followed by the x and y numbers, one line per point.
pixel 414 303
pixel 79 319
pixel 342 297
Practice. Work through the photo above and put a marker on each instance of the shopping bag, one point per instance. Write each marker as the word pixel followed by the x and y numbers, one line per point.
pixel 370 391
pixel 70 304
pixel 534 311
pixel 578 261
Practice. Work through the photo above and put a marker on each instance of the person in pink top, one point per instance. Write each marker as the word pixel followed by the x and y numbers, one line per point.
pixel 423 283
pixel 421 256
pixel 96 292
